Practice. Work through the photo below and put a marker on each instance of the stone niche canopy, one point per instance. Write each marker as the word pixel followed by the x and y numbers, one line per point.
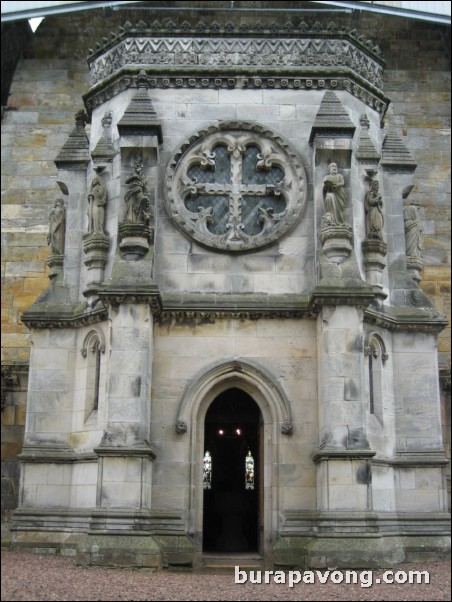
pixel 275 55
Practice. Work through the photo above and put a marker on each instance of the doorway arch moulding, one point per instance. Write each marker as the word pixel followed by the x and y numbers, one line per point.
pixel 275 410
pixel 252 379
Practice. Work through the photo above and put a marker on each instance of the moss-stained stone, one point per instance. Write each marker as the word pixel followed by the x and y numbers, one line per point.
pixel 119 551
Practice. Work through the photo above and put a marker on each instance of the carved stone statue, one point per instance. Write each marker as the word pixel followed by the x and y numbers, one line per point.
pixel 334 196
pixel 97 200
pixel 137 197
pixel 57 228
pixel 413 231
pixel 374 214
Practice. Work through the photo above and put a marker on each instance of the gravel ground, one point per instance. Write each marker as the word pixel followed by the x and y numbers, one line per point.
pixel 27 576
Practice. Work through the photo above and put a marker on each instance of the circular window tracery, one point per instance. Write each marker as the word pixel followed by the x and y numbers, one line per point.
pixel 235 186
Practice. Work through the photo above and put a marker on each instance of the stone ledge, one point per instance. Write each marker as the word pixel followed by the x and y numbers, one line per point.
pixel 343 454
pixel 407 318
pixel 62 316
pixel 41 454
pixel 126 451
pixel 412 459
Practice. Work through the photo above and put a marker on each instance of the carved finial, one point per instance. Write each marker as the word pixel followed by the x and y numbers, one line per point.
pixel 81 119
pixel 107 120
pixel 364 121
pixel 142 80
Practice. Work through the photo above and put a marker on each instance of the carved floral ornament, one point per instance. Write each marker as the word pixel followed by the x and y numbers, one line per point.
pixel 235 187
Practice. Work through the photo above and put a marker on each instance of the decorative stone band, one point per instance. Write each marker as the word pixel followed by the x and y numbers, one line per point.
pixel 377 247
pixel 197 309
pixel 343 454
pixel 416 319
pixel 95 242
pixel 134 239
pixel 129 230
pixel 267 26
pixel 63 316
pixel 142 450
pixel 259 54
pixel 45 453
pixel 95 246
pixel 125 78
pixel 342 231
pixel 55 260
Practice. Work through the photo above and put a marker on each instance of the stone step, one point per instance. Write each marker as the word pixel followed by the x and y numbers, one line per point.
pixel 228 561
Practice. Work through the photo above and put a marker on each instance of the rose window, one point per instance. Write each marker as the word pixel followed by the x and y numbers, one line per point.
pixel 235 189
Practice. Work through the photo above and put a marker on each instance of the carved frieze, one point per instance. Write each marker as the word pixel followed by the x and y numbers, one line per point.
pixel 289 53
pixel 235 186
pixel 272 56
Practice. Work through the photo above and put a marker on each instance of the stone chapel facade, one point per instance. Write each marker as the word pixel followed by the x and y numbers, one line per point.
pixel 234 352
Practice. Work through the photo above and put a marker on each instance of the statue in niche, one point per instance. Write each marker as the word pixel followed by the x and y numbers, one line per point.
pixel 57 228
pixel 97 200
pixel 137 197
pixel 413 231
pixel 374 212
pixel 334 196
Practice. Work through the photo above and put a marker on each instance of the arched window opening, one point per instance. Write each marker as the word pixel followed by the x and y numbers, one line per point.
pixel 249 471
pixel 377 357
pixel 92 348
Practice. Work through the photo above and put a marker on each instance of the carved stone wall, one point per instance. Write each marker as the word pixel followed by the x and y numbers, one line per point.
pixel 234 252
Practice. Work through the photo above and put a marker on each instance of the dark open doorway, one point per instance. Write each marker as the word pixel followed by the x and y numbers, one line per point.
pixel 232 464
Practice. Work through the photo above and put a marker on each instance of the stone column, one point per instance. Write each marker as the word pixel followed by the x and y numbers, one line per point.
pixel 125 452
pixel 343 458
pixel 126 455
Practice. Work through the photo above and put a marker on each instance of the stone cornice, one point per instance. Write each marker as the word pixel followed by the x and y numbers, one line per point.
pixel 203 308
pixel 44 454
pixel 361 296
pixel 263 28
pixel 206 308
pixel 62 316
pixel 126 451
pixel 406 318
pixel 342 454
pixel 117 295
pixel 304 57
pixel 416 458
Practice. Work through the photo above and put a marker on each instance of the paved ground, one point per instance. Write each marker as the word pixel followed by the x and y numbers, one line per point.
pixel 31 577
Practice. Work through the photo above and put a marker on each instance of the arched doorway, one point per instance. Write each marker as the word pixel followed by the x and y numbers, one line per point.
pixel 232 473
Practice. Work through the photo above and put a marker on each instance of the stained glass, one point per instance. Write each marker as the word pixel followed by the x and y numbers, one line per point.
pixel 207 471
pixel 218 187
pixel 249 471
